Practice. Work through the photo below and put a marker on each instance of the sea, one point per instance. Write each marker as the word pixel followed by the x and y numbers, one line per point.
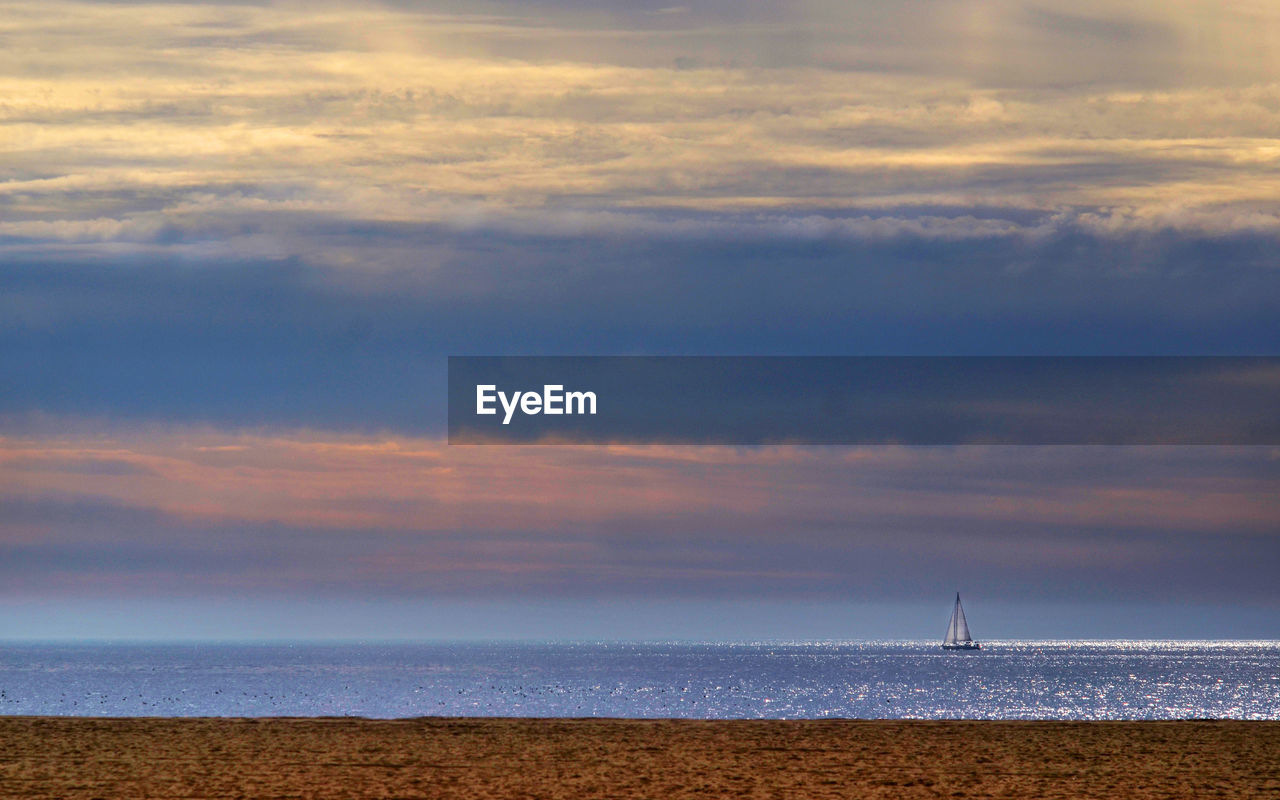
pixel 1061 680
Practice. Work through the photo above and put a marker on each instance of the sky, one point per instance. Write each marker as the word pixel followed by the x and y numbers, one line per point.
pixel 239 241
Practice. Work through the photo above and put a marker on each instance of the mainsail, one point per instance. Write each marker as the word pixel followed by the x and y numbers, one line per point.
pixel 958 630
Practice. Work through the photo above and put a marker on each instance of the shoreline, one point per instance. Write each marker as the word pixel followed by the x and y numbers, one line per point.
pixel 500 757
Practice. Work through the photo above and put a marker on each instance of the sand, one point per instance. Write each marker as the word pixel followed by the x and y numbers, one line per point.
pixel 522 758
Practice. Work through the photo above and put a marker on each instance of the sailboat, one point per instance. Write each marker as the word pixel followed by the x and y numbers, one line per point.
pixel 958 637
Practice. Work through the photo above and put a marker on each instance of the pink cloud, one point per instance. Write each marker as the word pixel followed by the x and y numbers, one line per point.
pixel 345 481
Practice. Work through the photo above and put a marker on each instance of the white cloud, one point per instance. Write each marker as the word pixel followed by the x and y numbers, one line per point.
pixel 124 124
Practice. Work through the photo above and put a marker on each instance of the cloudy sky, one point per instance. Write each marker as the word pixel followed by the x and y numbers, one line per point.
pixel 238 241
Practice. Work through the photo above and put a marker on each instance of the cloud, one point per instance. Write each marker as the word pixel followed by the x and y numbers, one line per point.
pixel 361 346
pixel 210 511
pixel 237 241
pixel 242 131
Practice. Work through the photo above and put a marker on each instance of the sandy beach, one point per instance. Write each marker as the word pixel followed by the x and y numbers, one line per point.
pixel 44 757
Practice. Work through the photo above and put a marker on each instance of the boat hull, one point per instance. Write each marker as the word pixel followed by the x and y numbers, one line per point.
pixel 962 646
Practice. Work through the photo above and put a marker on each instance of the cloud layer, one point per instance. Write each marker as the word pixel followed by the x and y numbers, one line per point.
pixel 238 240
pixel 188 510
pixel 247 131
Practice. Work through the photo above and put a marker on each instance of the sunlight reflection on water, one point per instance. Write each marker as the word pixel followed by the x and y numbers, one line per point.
pixel 1006 680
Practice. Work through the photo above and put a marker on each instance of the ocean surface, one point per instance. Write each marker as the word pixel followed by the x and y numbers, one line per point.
pixel 794 680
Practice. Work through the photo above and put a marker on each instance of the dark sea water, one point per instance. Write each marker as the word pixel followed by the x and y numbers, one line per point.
pixel 1007 680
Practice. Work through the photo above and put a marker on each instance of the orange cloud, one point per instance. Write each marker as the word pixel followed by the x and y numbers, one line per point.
pixel 396 483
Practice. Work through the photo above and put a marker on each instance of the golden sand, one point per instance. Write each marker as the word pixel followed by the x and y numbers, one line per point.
pixel 525 758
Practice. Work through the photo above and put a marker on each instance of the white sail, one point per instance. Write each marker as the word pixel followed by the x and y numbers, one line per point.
pixel 958 630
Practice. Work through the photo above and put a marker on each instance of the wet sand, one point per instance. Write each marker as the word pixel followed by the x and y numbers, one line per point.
pixel 43 757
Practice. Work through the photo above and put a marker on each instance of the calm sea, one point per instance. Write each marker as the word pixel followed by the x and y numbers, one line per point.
pixel 1007 680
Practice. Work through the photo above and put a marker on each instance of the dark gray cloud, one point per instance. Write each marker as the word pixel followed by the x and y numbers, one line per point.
pixel 287 343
